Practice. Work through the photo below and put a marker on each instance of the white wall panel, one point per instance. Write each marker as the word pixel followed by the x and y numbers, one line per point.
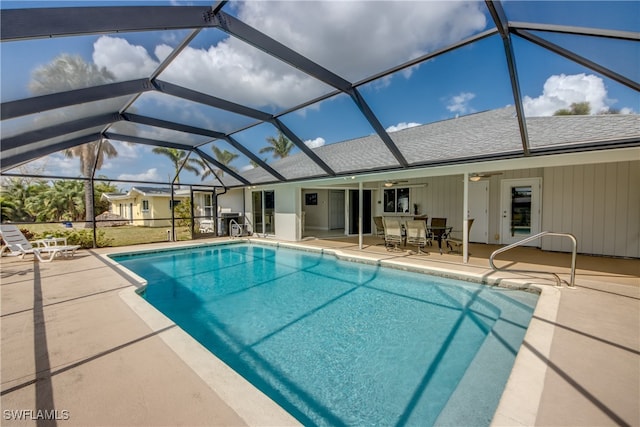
pixel 599 204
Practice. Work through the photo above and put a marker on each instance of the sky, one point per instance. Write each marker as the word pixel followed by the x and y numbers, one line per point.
pixel 353 39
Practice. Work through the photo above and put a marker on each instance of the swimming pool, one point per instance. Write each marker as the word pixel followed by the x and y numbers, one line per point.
pixel 340 343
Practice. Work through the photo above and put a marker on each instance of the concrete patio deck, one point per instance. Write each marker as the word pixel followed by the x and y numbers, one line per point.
pixel 74 341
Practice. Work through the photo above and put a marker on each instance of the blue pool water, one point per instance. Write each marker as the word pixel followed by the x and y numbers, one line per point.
pixel 340 343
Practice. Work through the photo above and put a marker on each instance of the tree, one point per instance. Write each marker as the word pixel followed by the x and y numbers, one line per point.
pixel 576 109
pixel 8 208
pixel 280 146
pixel 63 201
pixel 178 157
pixel 67 72
pixel 99 189
pixel 87 154
pixel 222 156
pixel 18 196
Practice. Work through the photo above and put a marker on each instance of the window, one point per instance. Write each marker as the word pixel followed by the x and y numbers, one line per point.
pixel 208 206
pixel 396 200
pixel 145 206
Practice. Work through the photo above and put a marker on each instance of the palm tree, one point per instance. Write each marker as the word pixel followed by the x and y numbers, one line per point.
pixel 14 195
pixel 280 146
pixel 178 157
pixel 64 201
pixel 68 72
pixel 222 156
pixel 61 201
pixel 87 154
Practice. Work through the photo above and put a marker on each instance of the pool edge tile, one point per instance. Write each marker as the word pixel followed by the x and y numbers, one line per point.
pixel 521 398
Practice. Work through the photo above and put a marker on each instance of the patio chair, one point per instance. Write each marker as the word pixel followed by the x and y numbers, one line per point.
pixel 17 244
pixel 392 233
pixel 437 228
pixel 379 224
pixel 455 242
pixel 417 234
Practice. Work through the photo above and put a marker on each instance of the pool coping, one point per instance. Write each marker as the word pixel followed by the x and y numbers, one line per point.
pixel 518 404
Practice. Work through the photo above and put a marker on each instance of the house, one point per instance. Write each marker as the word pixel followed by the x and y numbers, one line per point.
pixel 590 193
pixel 151 206
pixel 144 206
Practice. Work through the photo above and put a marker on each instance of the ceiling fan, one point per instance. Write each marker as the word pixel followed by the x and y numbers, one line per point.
pixel 391 183
pixel 478 176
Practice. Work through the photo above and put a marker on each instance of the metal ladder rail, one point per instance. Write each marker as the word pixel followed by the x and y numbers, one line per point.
pixel 571 285
pixel 235 228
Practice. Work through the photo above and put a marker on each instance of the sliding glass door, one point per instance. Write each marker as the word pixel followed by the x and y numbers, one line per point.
pixel 264 209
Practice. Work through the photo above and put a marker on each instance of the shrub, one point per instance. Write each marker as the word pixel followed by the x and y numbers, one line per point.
pixel 83 237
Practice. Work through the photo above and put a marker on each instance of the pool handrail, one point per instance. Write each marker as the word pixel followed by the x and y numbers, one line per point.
pixel 236 229
pixel 574 252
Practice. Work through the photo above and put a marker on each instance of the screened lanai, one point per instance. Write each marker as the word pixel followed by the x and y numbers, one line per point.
pixel 268 109
pixel 237 94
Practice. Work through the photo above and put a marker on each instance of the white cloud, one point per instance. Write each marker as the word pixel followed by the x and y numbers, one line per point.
pixel 356 37
pixel 380 36
pixel 459 104
pixel 56 164
pixel 149 175
pixel 123 59
pixel 315 143
pixel 401 126
pixel 125 150
pixel 560 91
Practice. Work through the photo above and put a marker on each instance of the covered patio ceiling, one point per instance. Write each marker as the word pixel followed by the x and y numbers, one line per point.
pixel 355 86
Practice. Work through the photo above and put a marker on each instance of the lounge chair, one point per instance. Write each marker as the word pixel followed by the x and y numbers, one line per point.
pixel 417 234
pixel 453 242
pixel 17 244
pixel 392 233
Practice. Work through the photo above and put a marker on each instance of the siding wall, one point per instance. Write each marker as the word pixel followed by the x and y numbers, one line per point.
pixel 441 198
pixel 317 216
pixel 599 204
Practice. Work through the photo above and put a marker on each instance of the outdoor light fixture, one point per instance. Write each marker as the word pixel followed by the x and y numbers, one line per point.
pixel 475 178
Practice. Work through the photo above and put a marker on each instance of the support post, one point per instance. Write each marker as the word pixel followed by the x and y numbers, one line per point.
pixel 360 206
pixel 465 220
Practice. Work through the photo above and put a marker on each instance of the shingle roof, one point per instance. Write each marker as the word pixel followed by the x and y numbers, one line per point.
pixel 475 135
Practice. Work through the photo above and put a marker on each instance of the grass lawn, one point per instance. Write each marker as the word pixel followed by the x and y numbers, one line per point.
pixel 117 236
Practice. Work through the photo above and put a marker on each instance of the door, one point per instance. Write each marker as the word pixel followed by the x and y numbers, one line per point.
pixel 264 210
pixel 336 209
pixel 354 212
pixel 520 209
pixel 479 211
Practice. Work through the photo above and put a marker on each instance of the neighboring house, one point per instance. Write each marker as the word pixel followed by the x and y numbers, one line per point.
pixel 151 206
pixel 144 206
